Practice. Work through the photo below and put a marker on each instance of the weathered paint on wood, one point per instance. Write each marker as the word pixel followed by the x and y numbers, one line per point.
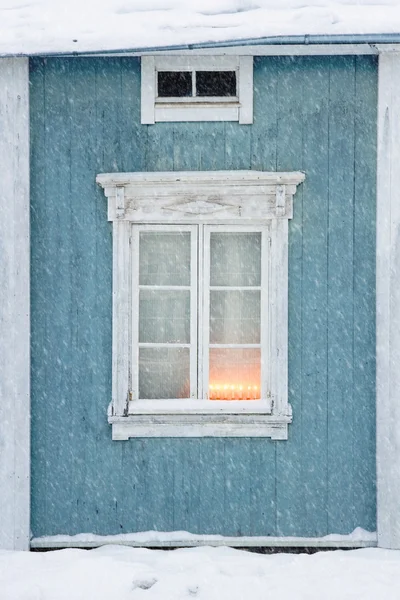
pixel 388 302
pixel 14 305
pixel 316 114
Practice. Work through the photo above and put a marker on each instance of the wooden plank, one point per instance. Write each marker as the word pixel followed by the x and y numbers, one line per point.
pixel 289 481
pixel 264 129
pixel 56 283
pixel 388 302
pixel 211 509
pixel 237 495
pixel 246 87
pixel 205 540
pixel 160 147
pixel 186 146
pixel 148 90
pixel 364 425
pixel 212 146
pixel 263 487
pixel 187 485
pixel 84 323
pixel 108 144
pixel 39 298
pixel 313 451
pixel 342 406
pixel 133 134
pixel 237 146
pixel 14 305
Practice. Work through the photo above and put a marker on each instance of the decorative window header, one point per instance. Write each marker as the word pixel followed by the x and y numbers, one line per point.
pixel 197 88
pixel 226 196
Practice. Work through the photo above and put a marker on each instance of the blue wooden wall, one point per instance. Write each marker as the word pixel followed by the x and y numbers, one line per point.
pixel 312 114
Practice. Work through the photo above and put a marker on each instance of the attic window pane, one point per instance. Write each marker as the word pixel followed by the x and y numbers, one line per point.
pixel 174 84
pixel 216 83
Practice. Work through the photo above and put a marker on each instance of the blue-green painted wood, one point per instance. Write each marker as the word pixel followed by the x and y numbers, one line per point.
pixel 313 450
pixel 315 114
pixel 289 148
pixel 39 300
pixel 340 292
pixel 364 293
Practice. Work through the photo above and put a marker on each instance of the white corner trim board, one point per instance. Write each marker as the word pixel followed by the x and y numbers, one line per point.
pixel 388 301
pixel 199 203
pixel 14 305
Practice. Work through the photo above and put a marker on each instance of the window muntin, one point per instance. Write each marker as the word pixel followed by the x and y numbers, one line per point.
pixel 170 305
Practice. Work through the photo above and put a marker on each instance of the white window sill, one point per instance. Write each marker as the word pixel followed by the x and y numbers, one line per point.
pixel 200 425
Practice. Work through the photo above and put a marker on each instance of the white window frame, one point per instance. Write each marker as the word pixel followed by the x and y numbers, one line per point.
pixel 221 200
pixel 227 108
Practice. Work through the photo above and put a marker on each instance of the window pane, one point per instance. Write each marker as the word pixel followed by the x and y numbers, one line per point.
pixel 235 259
pixel 234 374
pixel 164 258
pixel 164 373
pixel 215 83
pixel 234 317
pixel 172 84
pixel 164 316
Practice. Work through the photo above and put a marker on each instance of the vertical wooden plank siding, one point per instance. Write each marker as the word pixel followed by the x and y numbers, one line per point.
pixel 313 451
pixel 289 497
pixel 316 114
pixel 364 456
pixel 39 296
pixel 340 292
pixel 14 305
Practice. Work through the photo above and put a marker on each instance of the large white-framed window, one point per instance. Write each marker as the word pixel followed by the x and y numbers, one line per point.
pixel 196 88
pixel 200 303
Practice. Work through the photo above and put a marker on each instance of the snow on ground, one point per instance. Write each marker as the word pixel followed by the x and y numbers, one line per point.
pixel 34 26
pixel 121 573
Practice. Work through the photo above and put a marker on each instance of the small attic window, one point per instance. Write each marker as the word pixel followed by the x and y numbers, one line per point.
pixel 197 88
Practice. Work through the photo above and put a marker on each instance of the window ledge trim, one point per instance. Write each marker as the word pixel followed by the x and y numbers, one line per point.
pixel 200 425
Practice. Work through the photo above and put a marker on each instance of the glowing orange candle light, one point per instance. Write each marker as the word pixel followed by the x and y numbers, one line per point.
pixel 240 392
pixel 217 393
pixel 232 392
pixel 248 392
pixel 225 392
pixel 255 392
pixel 211 392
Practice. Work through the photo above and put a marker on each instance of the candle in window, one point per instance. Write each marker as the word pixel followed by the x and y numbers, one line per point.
pixel 217 393
pixel 211 392
pixel 240 392
pixel 232 392
pixel 225 392
pixel 255 392
pixel 248 397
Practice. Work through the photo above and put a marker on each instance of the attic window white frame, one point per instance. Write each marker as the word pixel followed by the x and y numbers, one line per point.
pixel 154 110
pixel 225 198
